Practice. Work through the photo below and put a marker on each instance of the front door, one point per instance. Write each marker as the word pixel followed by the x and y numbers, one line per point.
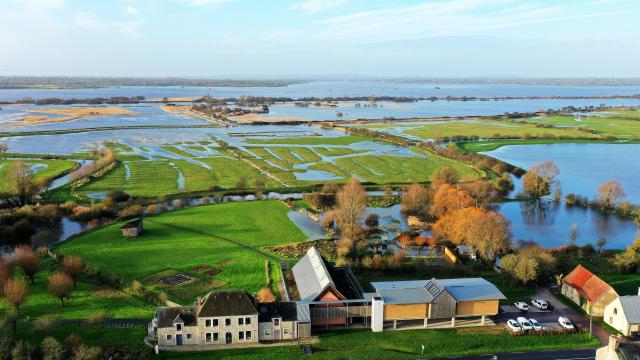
pixel 276 335
pixel 179 339
pixel 228 338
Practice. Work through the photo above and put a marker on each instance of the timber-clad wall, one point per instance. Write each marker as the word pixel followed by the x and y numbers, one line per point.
pixel 406 311
pixel 477 307
pixel 443 306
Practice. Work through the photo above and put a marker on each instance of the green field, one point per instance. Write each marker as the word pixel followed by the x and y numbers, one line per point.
pixel 221 237
pixel 53 169
pixel 622 125
pixel 482 146
pixel 365 344
pixel 160 177
pixel 471 128
pixel 309 140
pixel 87 298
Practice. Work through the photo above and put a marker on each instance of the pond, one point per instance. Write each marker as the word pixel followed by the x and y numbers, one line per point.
pixel 583 167
pixel 547 225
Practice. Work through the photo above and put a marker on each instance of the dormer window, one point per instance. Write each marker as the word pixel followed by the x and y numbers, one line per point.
pixel 276 322
pixel 178 327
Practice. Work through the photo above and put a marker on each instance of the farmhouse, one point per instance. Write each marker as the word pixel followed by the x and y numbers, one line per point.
pixel 623 314
pixel 221 317
pixel 587 290
pixel 132 228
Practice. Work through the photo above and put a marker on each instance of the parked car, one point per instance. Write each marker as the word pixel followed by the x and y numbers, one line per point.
pixel 565 323
pixel 522 306
pixel 524 323
pixel 536 325
pixel 540 304
pixel 513 325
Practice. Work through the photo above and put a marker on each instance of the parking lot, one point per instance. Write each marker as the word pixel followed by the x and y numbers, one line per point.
pixel 547 318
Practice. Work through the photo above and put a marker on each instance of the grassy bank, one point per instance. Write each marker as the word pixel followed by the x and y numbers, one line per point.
pixel 216 245
pixel 364 344
pixel 481 146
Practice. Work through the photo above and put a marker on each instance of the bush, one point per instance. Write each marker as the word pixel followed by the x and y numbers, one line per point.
pixel 118 195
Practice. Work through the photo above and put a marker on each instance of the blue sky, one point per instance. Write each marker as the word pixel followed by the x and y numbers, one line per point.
pixel 297 38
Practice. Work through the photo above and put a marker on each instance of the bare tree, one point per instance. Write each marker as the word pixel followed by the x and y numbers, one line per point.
pixel 610 193
pixel 540 179
pixel 74 267
pixel 15 291
pixel 28 261
pixel 4 148
pixel 60 286
pixel 19 178
pixel 574 234
pixel 352 200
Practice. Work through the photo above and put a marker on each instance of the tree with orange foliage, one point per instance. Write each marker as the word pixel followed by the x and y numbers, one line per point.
pixel 426 241
pixel 454 225
pixel 60 286
pixel 15 291
pixel 448 198
pixel 416 200
pixel 540 179
pixel 265 296
pixel 27 260
pixel 74 267
pixel 405 239
pixel 489 234
pixel 6 270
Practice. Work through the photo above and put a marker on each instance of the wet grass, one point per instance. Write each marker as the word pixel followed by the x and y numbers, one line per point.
pixel 313 140
pixel 185 239
pixel 53 169
pixel 620 125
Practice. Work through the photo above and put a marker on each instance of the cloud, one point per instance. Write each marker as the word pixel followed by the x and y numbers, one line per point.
pixel 205 2
pixel 314 6
pixel 130 10
pixel 89 21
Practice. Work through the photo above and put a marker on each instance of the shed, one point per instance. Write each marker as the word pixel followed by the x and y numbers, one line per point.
pixel 132 228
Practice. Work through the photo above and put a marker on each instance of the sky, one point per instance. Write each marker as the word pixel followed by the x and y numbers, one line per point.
pixel 317 38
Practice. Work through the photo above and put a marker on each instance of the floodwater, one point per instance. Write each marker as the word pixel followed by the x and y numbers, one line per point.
pixel 583 167
pixel 329 89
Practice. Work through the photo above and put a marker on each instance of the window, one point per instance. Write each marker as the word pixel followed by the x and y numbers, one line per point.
pixel 188 336
pixel 207 323
pixel 215 336
pixel 241 335
pixel 207 337
pixel 169 337
pixel 227 322
pixel 276 322
pixel 240 321
pixel 247 321
pixel 285 330
pixel 215 322
pixel 615 311
pixel 267 332
pixel 178 327
pixel 247 335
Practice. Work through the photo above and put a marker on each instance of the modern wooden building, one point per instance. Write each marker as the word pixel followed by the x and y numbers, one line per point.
pixel 397 303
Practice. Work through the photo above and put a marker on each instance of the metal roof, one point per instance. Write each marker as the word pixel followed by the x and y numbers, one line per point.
pixel 302 312
pixel 631 308
pixel 424 291
pixel 311 275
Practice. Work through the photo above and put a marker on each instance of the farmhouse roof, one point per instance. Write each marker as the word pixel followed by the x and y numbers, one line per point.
pixel 226 303
pixel 425 291
pixel 168 316
pixel 286 310
pixel 588 285
pixel 631 308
